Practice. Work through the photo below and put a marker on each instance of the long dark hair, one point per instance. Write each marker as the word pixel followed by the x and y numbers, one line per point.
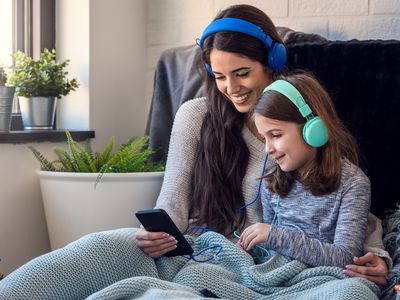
pixel 323 175
pixel 222 154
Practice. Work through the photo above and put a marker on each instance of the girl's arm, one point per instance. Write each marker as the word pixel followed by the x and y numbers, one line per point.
pixel 349 233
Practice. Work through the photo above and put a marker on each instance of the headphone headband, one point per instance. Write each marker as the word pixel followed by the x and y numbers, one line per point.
pixel 289 91
pixel 236 25
pixel 276 52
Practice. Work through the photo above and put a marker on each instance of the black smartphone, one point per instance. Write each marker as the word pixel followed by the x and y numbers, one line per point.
pixel 158 220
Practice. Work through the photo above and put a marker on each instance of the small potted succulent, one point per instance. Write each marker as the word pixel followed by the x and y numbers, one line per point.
pixel 6 101
pixel 38 85
pixel 85 191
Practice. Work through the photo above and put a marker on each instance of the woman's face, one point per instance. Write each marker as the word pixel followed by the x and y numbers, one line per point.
pixel 284 142
pixel 240 79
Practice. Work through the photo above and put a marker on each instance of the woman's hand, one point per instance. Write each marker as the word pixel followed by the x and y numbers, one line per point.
pixel 369 266
pixel 155 244
pixel 253 235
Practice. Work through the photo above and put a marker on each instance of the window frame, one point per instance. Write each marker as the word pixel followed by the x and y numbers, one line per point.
pixel 34 29
pixel 34 26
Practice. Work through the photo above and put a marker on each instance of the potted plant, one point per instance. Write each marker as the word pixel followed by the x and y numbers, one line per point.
pixel 38 85
pixel 85 192
pixel 6 101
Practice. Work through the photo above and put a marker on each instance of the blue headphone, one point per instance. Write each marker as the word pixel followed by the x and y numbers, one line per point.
pixel 314 131
pixel 276 51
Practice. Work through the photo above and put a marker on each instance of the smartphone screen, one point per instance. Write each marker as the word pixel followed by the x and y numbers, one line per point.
pixel 157 220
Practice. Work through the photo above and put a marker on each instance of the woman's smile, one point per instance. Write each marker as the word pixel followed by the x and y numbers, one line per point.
pixel 240 99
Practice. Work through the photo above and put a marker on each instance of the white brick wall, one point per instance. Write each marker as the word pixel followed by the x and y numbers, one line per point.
pixel 173 23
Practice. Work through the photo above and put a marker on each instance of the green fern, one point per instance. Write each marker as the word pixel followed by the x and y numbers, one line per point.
pixel 133 156
pixel 64 160
pixel 45 164
pixel 105 155
pixel 77 155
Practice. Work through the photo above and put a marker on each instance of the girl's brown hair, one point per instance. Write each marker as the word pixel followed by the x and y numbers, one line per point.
pixel 323 175
pixel 222 154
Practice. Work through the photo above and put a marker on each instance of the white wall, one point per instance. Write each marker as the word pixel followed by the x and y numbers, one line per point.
pixel 117 69
pixel 106 42
pixel 72 42
pixel 23 233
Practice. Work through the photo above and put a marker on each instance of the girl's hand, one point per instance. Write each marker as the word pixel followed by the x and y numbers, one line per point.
pixel 369 266
pixel 155 244
pixel 253 235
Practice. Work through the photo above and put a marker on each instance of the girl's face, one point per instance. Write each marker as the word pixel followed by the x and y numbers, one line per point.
pixel 284 142
pixel 240 79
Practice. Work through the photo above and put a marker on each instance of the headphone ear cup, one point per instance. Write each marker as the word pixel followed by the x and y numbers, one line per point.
pixel 277 57
pixel 315 133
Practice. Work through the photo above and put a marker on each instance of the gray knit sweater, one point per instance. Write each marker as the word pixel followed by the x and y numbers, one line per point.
pixel 175 194
pixel 320 230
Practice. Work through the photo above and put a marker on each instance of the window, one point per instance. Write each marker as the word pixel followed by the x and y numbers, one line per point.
pixel 6 31
pixel 26 25
pixel 29 26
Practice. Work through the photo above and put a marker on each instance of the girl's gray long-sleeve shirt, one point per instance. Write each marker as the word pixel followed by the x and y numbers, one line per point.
pixel 320 230
pixel 175 195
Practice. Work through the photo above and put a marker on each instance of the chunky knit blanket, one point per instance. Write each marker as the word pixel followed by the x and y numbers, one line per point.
pixel 109 265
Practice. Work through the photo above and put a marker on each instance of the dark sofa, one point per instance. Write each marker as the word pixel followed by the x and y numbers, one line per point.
pixel 363 78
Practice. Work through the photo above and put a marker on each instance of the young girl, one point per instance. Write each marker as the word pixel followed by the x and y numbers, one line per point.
pixel 317 199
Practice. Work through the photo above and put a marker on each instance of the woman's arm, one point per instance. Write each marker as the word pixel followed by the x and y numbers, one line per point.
pixel 369 266
pixel 176 189
pixel 375 264
pixel 175 192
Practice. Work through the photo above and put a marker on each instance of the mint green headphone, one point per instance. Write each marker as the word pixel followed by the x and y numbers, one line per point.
pixel 314 131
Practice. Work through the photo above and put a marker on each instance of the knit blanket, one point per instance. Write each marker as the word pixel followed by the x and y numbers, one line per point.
pixel 109 265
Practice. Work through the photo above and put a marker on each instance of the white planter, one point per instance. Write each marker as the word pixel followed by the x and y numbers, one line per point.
pixel 74 207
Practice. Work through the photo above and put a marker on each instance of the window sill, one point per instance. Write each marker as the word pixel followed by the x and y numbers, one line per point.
pixel 32 136
pixel 17 134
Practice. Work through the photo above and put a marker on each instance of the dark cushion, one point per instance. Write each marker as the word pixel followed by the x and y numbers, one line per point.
pixel 363 78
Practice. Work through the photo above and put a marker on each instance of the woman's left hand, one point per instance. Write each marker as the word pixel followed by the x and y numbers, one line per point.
pixel 369 266
pixel 253 235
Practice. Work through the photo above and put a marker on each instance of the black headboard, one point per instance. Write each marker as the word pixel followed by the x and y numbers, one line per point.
pixel 363 78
